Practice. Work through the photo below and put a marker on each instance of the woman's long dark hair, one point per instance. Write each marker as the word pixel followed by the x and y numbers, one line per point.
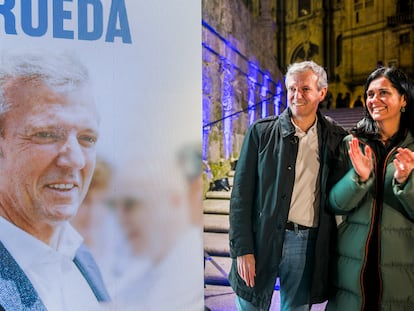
pixel 405 87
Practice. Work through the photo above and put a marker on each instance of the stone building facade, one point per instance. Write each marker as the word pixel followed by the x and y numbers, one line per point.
pixel 241 80
pixel 248 44
pixel 350 38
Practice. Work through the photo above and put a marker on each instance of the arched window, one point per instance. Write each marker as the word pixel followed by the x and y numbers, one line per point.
pixel 304 8
pixel 305 51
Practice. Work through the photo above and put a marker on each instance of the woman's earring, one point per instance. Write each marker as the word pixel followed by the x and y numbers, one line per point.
pixel 402 109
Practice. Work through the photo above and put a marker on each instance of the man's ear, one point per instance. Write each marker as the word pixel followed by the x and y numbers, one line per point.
pixel 405 100
pixel 323 92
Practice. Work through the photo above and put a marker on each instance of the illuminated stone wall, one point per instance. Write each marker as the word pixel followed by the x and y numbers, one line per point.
pixel 241 81
pixel 349 38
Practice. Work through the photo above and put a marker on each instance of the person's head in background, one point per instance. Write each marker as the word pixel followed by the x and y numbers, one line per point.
pixel 94 206
pixel 151 199
pixel 191 162
pixel 48 132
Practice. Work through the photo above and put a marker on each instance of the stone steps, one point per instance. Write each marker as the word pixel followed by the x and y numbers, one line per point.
pixel 216 206
pixel 216 270
pixel 216 244
pixel 216 258
pixel 225 195
pixel 216 209
pixel 346 117
pixel 218 223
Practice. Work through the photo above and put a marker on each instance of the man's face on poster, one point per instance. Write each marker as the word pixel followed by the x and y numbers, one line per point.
pixel 47 150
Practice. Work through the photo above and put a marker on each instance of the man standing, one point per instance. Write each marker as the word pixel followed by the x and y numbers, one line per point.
pixel 48 131
pixel 278 223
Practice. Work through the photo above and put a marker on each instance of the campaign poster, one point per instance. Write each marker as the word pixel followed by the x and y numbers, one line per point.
pixel 144 64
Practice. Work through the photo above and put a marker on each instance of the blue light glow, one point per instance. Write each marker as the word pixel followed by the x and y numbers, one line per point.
pixel 227 108
pixel 252 81
pixel 256 87
pixel 277 99
pixel 206 110
pixel 263 94
pixel 206 129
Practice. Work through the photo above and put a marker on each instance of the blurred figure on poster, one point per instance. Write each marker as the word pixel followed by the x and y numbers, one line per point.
pixel 159 206
pixel 48 134
pixel 191 162
pixel 98 224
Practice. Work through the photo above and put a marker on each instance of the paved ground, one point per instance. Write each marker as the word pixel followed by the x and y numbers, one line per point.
pixel 222 298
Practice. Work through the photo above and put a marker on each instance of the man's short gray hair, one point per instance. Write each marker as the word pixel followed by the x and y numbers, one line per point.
pixel 301 67
pixel 60 72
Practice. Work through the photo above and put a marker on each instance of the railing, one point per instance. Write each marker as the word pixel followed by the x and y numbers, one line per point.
pixel 246 63
pixel 234 74
pixel 399 19
pixel 253 107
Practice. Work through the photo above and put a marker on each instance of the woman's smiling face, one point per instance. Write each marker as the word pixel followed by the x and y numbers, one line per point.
pixel 383 101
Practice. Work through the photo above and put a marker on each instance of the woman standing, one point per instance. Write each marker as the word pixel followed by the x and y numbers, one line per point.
pixel 374 192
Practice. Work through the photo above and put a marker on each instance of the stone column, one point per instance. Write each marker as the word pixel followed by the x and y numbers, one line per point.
pixel 227 107
pixel 251 82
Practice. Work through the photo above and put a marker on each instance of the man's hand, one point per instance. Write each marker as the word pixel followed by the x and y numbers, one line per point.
pixel 246 266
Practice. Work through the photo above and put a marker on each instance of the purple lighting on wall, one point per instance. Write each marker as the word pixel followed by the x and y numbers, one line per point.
pixel 206 110
pixel 263 94
pixel 245 91
pixel 277 100
pixel 227 108
pixel 252 81
pixel 206 130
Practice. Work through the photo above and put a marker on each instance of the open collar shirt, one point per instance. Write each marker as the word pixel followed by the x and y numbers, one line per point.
pixel 304 205
pixel 52 272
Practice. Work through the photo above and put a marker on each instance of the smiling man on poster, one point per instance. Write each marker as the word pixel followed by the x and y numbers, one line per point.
pixel 48 132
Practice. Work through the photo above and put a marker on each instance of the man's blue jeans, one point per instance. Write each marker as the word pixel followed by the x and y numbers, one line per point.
pixel 295 272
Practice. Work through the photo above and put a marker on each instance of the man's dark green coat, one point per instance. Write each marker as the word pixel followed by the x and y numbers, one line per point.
pixel 260 202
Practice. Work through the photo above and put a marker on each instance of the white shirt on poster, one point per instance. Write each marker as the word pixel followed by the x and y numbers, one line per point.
pixel 175 283
pixel 52 272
